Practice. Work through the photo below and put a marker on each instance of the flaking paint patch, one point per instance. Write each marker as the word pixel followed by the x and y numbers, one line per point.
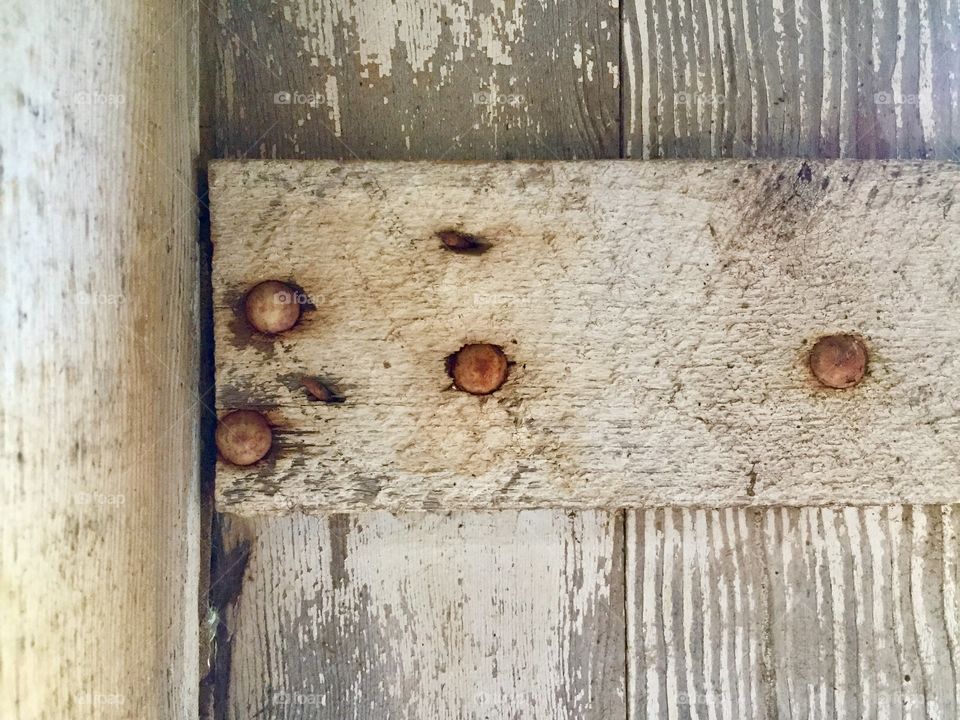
pixel 842 614
pixel 332 98
pixel 583 61
pixel 386 32
pixel 827 79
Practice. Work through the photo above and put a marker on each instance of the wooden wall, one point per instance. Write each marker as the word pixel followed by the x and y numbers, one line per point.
pixel 782 613
pixel 816 78
pixel 99 495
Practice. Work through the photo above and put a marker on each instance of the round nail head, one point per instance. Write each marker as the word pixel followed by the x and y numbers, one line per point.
pixel 479 369
pixel 243 437
pixel 838 361
pixel 272 307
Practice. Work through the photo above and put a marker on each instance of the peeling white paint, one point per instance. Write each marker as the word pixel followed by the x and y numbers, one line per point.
pixel 385 33
pixel 333 102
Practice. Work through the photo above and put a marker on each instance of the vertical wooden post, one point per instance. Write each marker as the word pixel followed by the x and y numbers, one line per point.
pixel 99 496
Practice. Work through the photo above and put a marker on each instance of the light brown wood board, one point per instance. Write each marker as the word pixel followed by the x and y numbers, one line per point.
pixel 658 318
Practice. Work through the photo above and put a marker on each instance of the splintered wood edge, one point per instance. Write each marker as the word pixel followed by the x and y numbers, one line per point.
pixel 808 248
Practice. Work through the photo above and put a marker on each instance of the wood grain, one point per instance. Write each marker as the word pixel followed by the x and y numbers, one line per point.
pixel 659 318
pixel 793 613
pixel 246 127
pixel 99 495
pixel 436 616
pixel 453 79
pixel 814 78
pixel 563 55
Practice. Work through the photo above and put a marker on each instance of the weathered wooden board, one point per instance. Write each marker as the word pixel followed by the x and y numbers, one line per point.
pixel 256 43
pixel 308 45
pixel 794 613
pixel 437 616
pixel 444 80
pixel 816 78
pixel 659 317
pixel 99 448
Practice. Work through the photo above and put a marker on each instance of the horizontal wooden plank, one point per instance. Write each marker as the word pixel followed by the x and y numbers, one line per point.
pixel 658 317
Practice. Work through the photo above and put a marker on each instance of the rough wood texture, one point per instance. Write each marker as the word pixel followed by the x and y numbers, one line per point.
pixel 387 80
pixel 659 317
pixel 793 613
pixel 99 492
pixel 575 114
pixel 440 616
pixel 252 126
pixel 815 78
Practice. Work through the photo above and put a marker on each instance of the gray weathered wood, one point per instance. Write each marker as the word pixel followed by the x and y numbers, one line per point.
pixel 794 613
pixel 439 616
pixel 659 317
pixel 496 46
pixel 815 78
pixel 99 554
pixel 452 79
pixel 246 60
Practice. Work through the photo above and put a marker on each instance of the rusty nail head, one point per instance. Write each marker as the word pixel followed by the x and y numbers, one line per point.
pixel 478 369
pixel 243 437
pixel 320 391
pixel 839 361
pixel 460 241
pixel 272 307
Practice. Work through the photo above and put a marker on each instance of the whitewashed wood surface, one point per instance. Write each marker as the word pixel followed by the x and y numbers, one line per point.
pixel 261 48
pixel 452 79
pixel 793 613
pixel 659 317
pixel 436 616
pixel 99 530
pixel 732 613
pixel 814 78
